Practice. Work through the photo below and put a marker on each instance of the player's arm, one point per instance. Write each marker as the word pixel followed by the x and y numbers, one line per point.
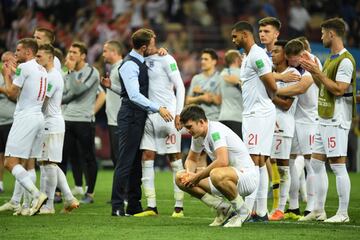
pixel 176 79
pixel 270 84
pixel 286 77
pixel 10 90
pixel 343 78
pixel 284 103
pixel 100 100
pixel 191 161
pixel 221 160
pixel 299 88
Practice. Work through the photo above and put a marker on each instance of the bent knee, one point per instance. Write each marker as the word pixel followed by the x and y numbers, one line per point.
pixel 216 175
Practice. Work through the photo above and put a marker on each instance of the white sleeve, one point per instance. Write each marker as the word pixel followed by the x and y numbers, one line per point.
pixel 51 88
pixel 218 139
pixel 21 74
pixel 345 71
pixel 172 71
pixel 261 63
pixel 196 145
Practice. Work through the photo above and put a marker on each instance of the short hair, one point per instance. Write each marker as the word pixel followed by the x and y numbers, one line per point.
pixel 116 45
pixel 305 41
pixel 211 52
pixel 243 26
pixel 48 33
pixel 281 43
pixel 336 24
pixel 12 54
pixel 29 43
pixel 270 21
pixel 192 112
pixel 294 47
pixel 231 56
pixel 59 54
pixel 81 46
pixel 48 48
pixel 142 37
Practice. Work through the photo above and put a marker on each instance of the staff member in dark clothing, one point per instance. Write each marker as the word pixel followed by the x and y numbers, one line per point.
pixel 131 121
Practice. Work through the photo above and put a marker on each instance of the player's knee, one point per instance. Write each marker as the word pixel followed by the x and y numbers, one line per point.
pixel 216 176
pixel 8 164
pixel 148 155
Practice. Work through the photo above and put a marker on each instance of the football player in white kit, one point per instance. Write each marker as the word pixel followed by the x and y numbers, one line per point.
pixel 25 137
pixel 159 136
pixel 284 130
pixel 335 107
pixel 51 174
pixel 46 36
pixel 305 121
pixel 230 176
pixel 259 112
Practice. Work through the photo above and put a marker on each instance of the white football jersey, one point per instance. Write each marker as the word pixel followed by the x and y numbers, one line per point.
pixel 306 110
pixel 285 120
pixel 255 98
pixel 54 121
pixel 164 76
pixel 219 135
pixel 343 105
pixel 32 78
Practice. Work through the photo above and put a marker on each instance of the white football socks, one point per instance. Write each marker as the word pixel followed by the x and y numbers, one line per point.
pixel 148 178
pixel 342 187
pixel 284 186
pixel 178 194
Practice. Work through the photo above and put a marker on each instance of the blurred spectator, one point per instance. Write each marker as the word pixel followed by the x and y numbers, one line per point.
pixel 298 19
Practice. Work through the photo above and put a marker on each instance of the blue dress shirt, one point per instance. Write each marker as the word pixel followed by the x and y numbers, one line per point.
pixel 129 73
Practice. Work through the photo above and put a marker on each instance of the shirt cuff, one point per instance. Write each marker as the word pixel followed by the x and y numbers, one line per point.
pixel 154 107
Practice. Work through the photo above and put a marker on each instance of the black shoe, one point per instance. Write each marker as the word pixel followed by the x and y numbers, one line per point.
pixel 306 212
pixel 132 211
pixel 118 213
pixel 295 211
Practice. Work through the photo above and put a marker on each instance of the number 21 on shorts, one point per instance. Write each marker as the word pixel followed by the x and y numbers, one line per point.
pixel 253 139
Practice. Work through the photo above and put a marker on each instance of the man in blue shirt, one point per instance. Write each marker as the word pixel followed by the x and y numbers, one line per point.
pixel 131 121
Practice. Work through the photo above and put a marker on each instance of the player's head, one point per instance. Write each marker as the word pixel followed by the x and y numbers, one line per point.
pixel 332 29
pixel 8 57
pixel 278 52
pixel 77 52
pixel 26 49
pixel 293 51
pixel 209 59
pixel 45 55
pixel 143 40
pixel 241 33
pixel 112 51
pixel 193 118
pixel 232 57
pixel 44 36
pixel 269 30
pixel 306 43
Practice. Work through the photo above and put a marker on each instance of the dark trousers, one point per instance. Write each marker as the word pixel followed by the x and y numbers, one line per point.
pixel 79 147
pixel 114 143
pixel 236 127
pixel 127 173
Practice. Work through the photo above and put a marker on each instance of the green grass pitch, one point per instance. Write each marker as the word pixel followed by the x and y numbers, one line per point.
pixel 94 221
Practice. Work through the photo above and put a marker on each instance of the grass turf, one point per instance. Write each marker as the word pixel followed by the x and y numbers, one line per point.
pixel 94 221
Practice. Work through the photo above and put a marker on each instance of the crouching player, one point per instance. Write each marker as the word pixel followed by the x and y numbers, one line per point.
pixel 231 175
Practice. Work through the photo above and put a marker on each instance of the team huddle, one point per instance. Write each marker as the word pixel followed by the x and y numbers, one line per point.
pixel 252 122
